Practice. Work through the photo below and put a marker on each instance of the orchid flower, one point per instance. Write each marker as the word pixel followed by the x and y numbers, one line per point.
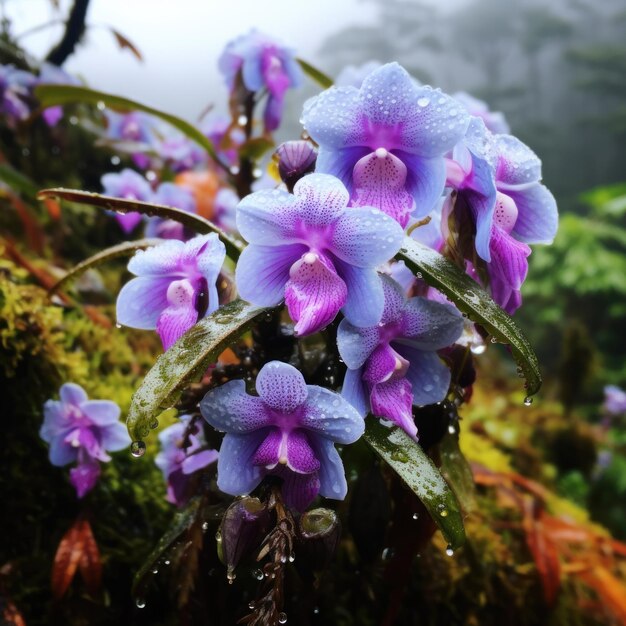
pixel 314 252
pixel 175 286
pixel 288 430
pixel 386 141
pixel 82 430
pixel 128 185
pixel 394 364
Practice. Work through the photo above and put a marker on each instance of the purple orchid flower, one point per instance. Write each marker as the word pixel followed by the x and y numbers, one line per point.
pixel 225 138
pixel 386 140
pixel 494 120
pixel 225 209
pixel 170 194
pixel 178 461
pixel 180 152
pixel 312 250
pixel 394 365
pixel 288 430
pixel 175 286
pixel 82 430
pixel 262 63
pixel 129 185
pixel 500 197
pixel 135 132
pixel 614 401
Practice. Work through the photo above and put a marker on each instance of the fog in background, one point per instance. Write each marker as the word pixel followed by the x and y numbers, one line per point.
pixel 557 70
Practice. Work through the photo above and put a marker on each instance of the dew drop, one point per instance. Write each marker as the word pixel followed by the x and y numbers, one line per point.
pixel 451 429
pixel 387 554
pixel 258 574
pixel 292 558
pixel 205 526
pixel 251 605
pixel 230 576
pixel 528 401
pixel 282 618
pixel 154 424
pixel 423 102
pixel 478 348
pixel 242 120
pixel 166 562
pixel 442 510
pixel 155 570
pixel 140 603
pixel 416 516
pixel 449 550
pixel 137 448
pixel 118 325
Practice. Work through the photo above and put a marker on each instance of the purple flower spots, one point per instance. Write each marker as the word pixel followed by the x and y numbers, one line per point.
pixel 288 430
pixel 83 431
pixel 386 140
pixel 175 286
pixel 314 252
pixel 394 365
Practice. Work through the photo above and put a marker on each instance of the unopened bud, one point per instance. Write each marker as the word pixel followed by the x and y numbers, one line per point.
pixel 320 530
pixel 244 526
pixel 295 160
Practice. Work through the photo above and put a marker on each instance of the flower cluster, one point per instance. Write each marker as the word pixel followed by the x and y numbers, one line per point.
pixel 82 431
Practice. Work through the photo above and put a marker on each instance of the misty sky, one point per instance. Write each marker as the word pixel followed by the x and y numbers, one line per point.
pixel 180 41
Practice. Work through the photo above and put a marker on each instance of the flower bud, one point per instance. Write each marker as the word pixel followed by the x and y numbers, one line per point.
pixel 243 528
pixel 319 530
pixel 295 160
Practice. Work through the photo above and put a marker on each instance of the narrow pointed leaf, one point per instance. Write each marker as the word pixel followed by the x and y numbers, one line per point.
pixel 123 249
pixel 192 221
pixel 17 181
pixel 186 361
pixel 475 302
pixel 420 474
pixel 316 75
pixel 52 95
pixel 457 472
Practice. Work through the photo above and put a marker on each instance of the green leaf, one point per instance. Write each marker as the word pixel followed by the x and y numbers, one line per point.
pixel 457 472
pixel 186 361
pixel 53 95
pixel 420 474
pixel 122 249
pixel 17 181
pixel 314 74
pixel 195 222
pixel 475 302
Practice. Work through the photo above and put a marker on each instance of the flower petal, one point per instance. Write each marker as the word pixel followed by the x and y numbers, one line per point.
pixel 393 400
pixel 340 162
pixel 356 344
pixel 354 391
pixel 428 375
pixel 314 293
pixel 379 181
pixel 263 271
pixel 517 163
pixel 365 301
pixel 395 300
pixel 481 198
pixel 268 453
pixel 161 260
pixel 382 364
pixel 426 179
pixel 230 409
pixel 71 393
pixel 538 217
pixel 300 455
pixel 115 437
pixel 84 477
pixel 128 221
pixel 330 415
pixel 331 473
pixel 333 119
pixel 101 412
pixel 141 301
pixel 281 386
pixel 268 217
pixel 299 490
pixel 431 325
pixel 61 453
pixel 433 125
pixel 198 461
pixel 236 473
pixel 365 237
pixel 322 199
pixel 180 314
pixel 508 258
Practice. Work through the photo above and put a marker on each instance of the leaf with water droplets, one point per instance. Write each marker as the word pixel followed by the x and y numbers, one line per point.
pixel 186 361
pixel 471 299
pixel 123 249
pixel 457 472
pixel 420 474
pixel 192 221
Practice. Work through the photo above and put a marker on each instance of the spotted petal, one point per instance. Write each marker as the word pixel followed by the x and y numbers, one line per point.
pixel 281 386
pixel 428 375
pixel 356 344
pixel 393 400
